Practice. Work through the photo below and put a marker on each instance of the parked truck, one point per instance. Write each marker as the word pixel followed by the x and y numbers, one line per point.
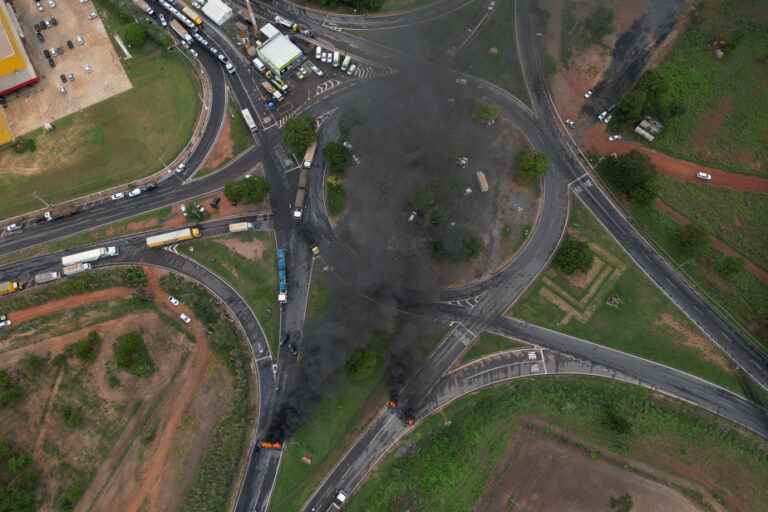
pixel 271 90
pixel 309 155
pixel 282 286
pixel 301 196
pixel 238 227
pixel 248 118
pixel 293 26
pixel 481 179
pixel 76 268
pixel 46 277
pixel 181 31
pixel 144 6
pixel 89 256
pixel 60 212
pixel 192 15
pixel 7 287
pixel 172 237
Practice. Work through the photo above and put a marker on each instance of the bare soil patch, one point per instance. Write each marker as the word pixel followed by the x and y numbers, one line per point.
pixel 226 209
pixel 697 341
pixel 252 250
pixel 223 149
pixel 712 123
pixel 540 474
pixel 25 315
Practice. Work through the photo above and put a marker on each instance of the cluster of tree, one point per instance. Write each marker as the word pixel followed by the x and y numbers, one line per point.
pixel 531 165
pixel 24 145
pixel 337 196
pixel 197 214
pixel 132 355
pixel 652 96
pixel 729 266
pixel 623 503
pixel 71 414
pixel 87 349
pixel 249 190
pixel 337 157
pixel 573 256
pixel 19 480
pixel 299 133
pixel 690 240
pixel 357 5
pixel 456 246
pixel 484 112
pixel 134 35
pixel 632 175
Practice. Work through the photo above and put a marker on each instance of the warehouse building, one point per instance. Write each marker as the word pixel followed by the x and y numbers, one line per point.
pixel 217 11
pixel 277 52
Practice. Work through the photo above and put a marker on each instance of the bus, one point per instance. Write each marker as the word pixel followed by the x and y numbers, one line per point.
pixel 249 120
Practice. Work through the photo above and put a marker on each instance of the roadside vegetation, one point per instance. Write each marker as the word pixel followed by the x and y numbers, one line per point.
pixel 447 461
pixel 319 294
pixel 239 137
pixel 251 190
pixel 20 479
pixel 485 112
pixel 582 28
pixel 253 275
pixel 489 343
pixel 337 157
pixel 613 303
pixel 159 112
pixel 299 133
pixel 531 165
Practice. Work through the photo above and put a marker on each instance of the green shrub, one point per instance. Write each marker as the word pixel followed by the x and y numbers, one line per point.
pixel 72 415
pixel 299 133
pixel 249 190
pixel 132 355
pixel 87 349
pixel 632 175
pixel 10 390
pixel 531 164
pixel 362 364
pixel 134 35
pixel 33 366
pixel 337 198
pixel 19 480
pixel 484 112
pixel 337 157
pixel 573 256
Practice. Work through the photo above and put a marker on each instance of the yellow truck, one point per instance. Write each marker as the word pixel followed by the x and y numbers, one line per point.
pixel 7 287
pixel 173 237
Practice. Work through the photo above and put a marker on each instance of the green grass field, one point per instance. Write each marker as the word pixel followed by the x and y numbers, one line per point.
pixel 451 456
pixel 489 343
pixel 255 280
pixel 640 325
pixel 722 125
pixel 126 137
pixel 319 294
pixel 502 68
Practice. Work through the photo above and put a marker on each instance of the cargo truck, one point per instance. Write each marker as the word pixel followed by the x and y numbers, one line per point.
pixel 482 181
pixel 271 90
pixel 71 270
pixel 7 287
pixel 282 289
pixel 60 213
pixel 294 27
pixel 172 237
pixel 309 155
pixel 181 31
pixel 144 6
pixel 240 226
pixel 46 277
pixel 301 196
pixel 192 15
pixel 89 256
pixel 248 118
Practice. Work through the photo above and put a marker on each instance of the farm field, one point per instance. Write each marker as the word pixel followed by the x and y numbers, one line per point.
pixel 111 392
pixel 616 305
pixel 552 443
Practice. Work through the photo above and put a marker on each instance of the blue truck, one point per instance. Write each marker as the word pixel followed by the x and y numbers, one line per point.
pixel 282 286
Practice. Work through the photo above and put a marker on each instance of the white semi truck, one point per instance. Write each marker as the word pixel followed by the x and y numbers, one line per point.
pixel 89 256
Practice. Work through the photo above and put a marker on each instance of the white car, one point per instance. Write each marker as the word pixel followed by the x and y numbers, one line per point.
pixel 615 136
pixel 570 123
pixel 80 40
pixel 173 300
pixel 347 145
pixel 193 52
pixel 351 69
pixel 589 93
pixel 162 20
pixel 601 115
pixel 118 195
pixel 5 323
pixel 704 176
pixel 12 227
pixel 318 52
pixel 39 6
pixel 88 68
pixel 51 4
pixel 274 368
pixel 93 15
pixel 316 70
pixel 135 192
pixel 185 318
pixel 181 168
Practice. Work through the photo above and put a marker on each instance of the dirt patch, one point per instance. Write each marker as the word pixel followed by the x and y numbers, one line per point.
pixel 711 125
pixel 691 339
pixel 597 142
pixel 541 474
pixel 25 315
pixel 223 149
pixel 252 250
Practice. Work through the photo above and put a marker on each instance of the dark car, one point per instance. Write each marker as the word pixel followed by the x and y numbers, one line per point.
pixel 70 45
pixel 293 349
pixel 63 78
pixel 51 62
pixel 54 22
pixel 286 339
pixel 271 104
pixel 40 37
pixel 215 202
pixel 47 53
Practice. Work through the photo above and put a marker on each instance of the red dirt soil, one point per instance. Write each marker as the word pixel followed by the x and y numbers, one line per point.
pixel 597 141
pixel 25 315
pixel 721 246
pixel 222 149
pixel 226 209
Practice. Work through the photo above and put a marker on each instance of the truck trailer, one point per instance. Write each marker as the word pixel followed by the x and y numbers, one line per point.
pixel 282 289
pixel 301 196
pixel 7 287
pixel 60 212
pixel 71 270
pixel 238 227
pixel 172 237
pixel 309 155
pixel 271 90
pixel 46 277
pixel 293 26
pixel 144 6
pixel 181 31
pixel 192 15
pixel 89 256
pixel 248 118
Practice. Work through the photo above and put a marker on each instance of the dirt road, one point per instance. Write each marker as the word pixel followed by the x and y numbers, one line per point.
pixel 83 299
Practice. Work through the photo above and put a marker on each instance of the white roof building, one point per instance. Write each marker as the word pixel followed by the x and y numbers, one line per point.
pixel 278 52
pixel 217 11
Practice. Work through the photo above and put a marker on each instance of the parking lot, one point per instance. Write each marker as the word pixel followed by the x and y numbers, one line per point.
pixel 104 77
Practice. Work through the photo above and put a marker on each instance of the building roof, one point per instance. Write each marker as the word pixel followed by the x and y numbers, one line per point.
pixel 217 11
pixel 269 30
pixel 278 52
pixel 16 69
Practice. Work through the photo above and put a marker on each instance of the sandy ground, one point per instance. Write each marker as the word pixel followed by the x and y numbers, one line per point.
pixel 597 141
pixel 42 103
pixel 540 474
pixel 223 149
pixel 252 250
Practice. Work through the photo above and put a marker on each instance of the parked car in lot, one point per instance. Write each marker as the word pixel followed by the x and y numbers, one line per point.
pixel 62 90
pixel 51 62
pixel 80 40
pixel 51 4
pixel 162 20
pixel 352 69
pixel 117 195
pixel 588 94
pixel 39 6
pixel 71 77
pixel 316 70
pixel 54 22
pixel 615 136
pixel 293 349
pixel 70 45
pixel 135 192
pixel 47 53
pixel 63 78
pixel 93 15
pixel 173 300
pixel 181 168
pixel 704 176
pixel 185 318
pixel 40 37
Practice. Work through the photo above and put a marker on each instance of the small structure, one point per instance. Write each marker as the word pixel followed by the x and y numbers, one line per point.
pixel 217 11
pixel 482 181
pixel 278 52
pixel 649 128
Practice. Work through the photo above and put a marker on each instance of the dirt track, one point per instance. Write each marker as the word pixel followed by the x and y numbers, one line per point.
pixel 597 141
pixel 25 315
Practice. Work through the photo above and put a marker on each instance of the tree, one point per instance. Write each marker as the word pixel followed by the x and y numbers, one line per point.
pixel 362 363
pixel 621 503
pixel 472 246
pixel 299 133
pixel 10 390
pixel 132 355
pixel 531 164
pixel 195 213
pixel 484 112
pixel 573 256
pixel 337 157
pixel 691 239
pixel 87 349
pixel 729 266
pixel 135 35
pixel 249 190
pixel 632 175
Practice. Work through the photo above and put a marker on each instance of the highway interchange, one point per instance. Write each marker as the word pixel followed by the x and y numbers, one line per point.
pixel 470 310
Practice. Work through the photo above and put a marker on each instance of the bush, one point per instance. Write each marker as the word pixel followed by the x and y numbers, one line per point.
pixel 651 97
pixel 573 256
pixel 337 157
pixel 19 480
pixel 135 35
pixel 632 175
pixel 599 24
pixel 621 503
pixel 24 145
pixel 531 164
pixel 362 363
pixel 70 496
pixel 72 415
pixel 132 355
pixel 10 390
pixel 196 215
pixel 86 350
pixel 299 133
pixel 337 198
pixel 33 366
pixel 250 190
pixel 484 112
pixel 729 266
pixel 691 239
pixel 472 246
